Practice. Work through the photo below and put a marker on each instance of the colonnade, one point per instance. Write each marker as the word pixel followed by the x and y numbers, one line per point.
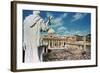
pixel 55 43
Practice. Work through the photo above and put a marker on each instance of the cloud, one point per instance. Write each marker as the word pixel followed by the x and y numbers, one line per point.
pixel 78 16
pixel 64 15
pixel 73 32
pixel 66 32
pixel 49 14
pixel 58 21
pixel 77 32
pixel 61 29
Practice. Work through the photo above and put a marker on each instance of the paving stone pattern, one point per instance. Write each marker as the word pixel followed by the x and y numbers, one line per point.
pixel 67 54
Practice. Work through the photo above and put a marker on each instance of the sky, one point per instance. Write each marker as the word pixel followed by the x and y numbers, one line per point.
pixel 66 23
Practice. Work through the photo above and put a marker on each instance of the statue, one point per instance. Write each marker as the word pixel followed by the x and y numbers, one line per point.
pixel 32 34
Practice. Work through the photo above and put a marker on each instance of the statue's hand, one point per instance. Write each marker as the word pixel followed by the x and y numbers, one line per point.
pixel 50 17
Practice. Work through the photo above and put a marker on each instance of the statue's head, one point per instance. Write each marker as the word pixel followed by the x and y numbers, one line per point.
pixel 36 12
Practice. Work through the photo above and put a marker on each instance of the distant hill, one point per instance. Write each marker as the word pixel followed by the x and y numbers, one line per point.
pixel 80 38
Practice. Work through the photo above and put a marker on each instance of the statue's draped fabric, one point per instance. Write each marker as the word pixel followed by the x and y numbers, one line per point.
pixel 32 26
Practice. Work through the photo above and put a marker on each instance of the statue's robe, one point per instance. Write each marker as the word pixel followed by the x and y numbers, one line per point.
pixel 32 26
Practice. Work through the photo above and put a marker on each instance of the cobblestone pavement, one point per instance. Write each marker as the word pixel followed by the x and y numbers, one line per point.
pixel 67 54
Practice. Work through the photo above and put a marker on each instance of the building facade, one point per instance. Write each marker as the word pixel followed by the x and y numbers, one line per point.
pixel 55 42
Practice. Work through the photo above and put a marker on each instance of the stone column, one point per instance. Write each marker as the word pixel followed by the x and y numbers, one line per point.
pixel 84 43
pixel 54 43
pixel 58 43
pixel 48 43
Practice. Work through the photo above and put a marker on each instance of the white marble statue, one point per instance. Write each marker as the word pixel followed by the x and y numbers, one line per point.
pixel 32 26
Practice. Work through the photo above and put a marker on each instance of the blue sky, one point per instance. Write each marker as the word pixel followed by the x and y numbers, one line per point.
pixel 66 23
